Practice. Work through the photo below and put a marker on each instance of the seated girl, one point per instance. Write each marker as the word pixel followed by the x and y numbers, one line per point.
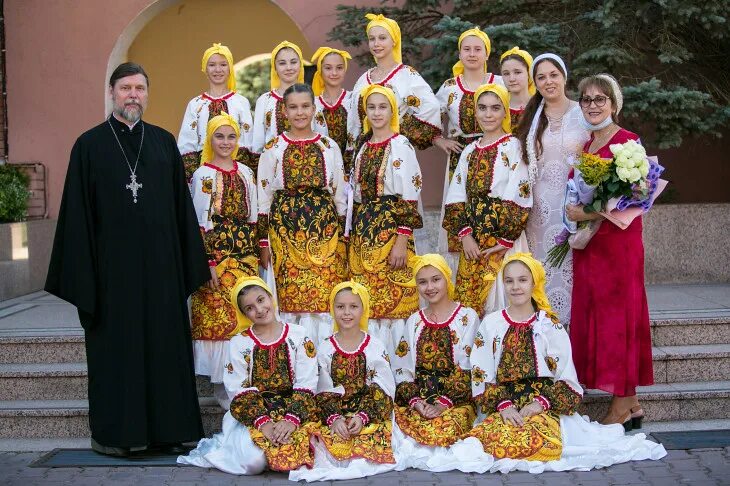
pixel 524 381
pixel 271 376
pixel 431 362
pixel 354 394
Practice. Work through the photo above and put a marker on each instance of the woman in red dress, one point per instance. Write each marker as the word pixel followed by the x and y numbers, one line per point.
pixel 609 329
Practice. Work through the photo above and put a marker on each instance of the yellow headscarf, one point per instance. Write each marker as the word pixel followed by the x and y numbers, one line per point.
pixel 528 60
pixel 538 278
pixel 359 290
pixel 388 93
pixel 317 58
pixel 275 81
pixel 439 263
pixel 393 29
pixel 243 322
pixel 476 32
pixel 503 96
pixel 222 120
pixel 225 52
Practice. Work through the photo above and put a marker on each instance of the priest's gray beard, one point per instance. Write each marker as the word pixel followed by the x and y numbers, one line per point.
pixel 131 112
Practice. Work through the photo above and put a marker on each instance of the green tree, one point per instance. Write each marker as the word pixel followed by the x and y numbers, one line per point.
pixel 669 55
pixel 253 80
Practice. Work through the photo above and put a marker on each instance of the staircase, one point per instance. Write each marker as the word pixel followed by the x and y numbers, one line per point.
pixel 43 371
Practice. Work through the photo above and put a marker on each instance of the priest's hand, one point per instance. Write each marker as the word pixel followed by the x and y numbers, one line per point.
pixel 213 282
pixel 268 430
pixel 532 408
pixel 339 427
pixel 471 248
pixel 264 257
pixel 283 430
pixel 399 252
pixel 511 416
pixel 354 425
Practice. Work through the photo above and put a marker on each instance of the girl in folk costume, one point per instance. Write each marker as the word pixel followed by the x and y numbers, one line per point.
pixel 431 364
pixel 301 220
pixel 270 120
pixel 611 344
pixel 524 381
pixel 224 197
pixel 488 201
pixel 418 109
pixel 272 376
pixel 221 97
pixel 387 182
pixel 552 134
pixel 354 394
pixel 331 98
pixel 456 98
pixel 516 65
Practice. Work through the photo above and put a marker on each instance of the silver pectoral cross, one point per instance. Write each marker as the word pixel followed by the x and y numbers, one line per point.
pixel 134 187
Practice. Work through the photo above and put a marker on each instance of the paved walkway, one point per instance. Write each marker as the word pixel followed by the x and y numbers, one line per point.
pixel 698 467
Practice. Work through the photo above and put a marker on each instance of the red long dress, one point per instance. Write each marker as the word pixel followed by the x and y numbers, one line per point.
pixel 609 324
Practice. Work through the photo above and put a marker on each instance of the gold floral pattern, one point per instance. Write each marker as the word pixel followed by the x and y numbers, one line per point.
pixel 402 348
pixel 336 120
pixel 309 348
pixel 282 122
pixel 418 132
pixel 452 425
pixel 191 162
pixel 304 232
pixel 467 115
pixel 231 245
pixel 287 457
pixel 539 439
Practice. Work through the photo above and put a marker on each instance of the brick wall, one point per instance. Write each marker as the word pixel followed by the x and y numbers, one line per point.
pixel 3 114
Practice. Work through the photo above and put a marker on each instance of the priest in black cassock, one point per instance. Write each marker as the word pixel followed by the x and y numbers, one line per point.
pixel 127 254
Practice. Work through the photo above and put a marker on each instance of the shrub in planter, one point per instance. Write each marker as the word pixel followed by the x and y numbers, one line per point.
pixel 14 194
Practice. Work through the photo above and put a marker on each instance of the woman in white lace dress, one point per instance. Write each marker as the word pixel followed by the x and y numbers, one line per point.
pixel 552 136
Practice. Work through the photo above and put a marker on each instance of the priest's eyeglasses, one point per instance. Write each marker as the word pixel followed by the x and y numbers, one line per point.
pixel 599 101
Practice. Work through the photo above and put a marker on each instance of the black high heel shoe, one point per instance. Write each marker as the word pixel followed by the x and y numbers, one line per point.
pixel 637 417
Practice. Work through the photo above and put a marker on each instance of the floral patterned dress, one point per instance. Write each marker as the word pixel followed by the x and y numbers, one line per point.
pixel 356 383
pixel 431 363
pixel 225 204
pixel 270 120
pixel 529 361
pixel 489 198
pixel 418 108
pixel 302 206
pixel 192 135
pixel 515 115
pixel 387 182
pixel 335 116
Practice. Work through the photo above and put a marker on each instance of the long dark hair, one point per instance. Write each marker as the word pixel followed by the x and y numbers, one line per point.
pixel 523 128
pixel 299 88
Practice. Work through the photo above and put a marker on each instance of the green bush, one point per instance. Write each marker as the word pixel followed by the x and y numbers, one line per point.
pixel 14 194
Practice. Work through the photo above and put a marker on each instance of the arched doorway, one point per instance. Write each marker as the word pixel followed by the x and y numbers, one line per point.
pixel 169 37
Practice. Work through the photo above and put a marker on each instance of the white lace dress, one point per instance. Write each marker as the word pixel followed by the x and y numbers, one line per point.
pixel 562 143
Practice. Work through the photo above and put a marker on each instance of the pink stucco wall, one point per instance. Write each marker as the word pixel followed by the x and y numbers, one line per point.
pixel 57 55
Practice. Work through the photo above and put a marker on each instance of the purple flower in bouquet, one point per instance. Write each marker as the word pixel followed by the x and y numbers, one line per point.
pixel 643 197
pixel 562 237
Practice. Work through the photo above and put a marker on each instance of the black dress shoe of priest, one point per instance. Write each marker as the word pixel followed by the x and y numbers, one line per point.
pixel 108 450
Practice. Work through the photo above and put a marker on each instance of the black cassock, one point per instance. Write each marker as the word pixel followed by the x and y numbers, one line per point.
pixel 129 269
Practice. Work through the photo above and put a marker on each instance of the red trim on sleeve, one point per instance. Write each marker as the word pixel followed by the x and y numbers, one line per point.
pixel 259 422
pixel 290 417
pixel 212 263
pixel 445 401
pixel 331 419
pixel 413 401
pixel 365 418
pixel 543 401
pixel 263 243
pixel 466 230
pixel 505 243
pixel 504 404
pixel 404 230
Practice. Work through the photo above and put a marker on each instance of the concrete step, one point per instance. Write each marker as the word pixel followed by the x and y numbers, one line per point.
pixel 679 364
pixel 686 332
pixel 36 346
pixel 57 381
pixel 68 419
pixel 670 402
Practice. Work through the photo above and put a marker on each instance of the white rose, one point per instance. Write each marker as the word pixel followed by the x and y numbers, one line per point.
pixel 623 173
pixel 615 148
pixel 644 168
pixel 622 160
pixel 634 175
